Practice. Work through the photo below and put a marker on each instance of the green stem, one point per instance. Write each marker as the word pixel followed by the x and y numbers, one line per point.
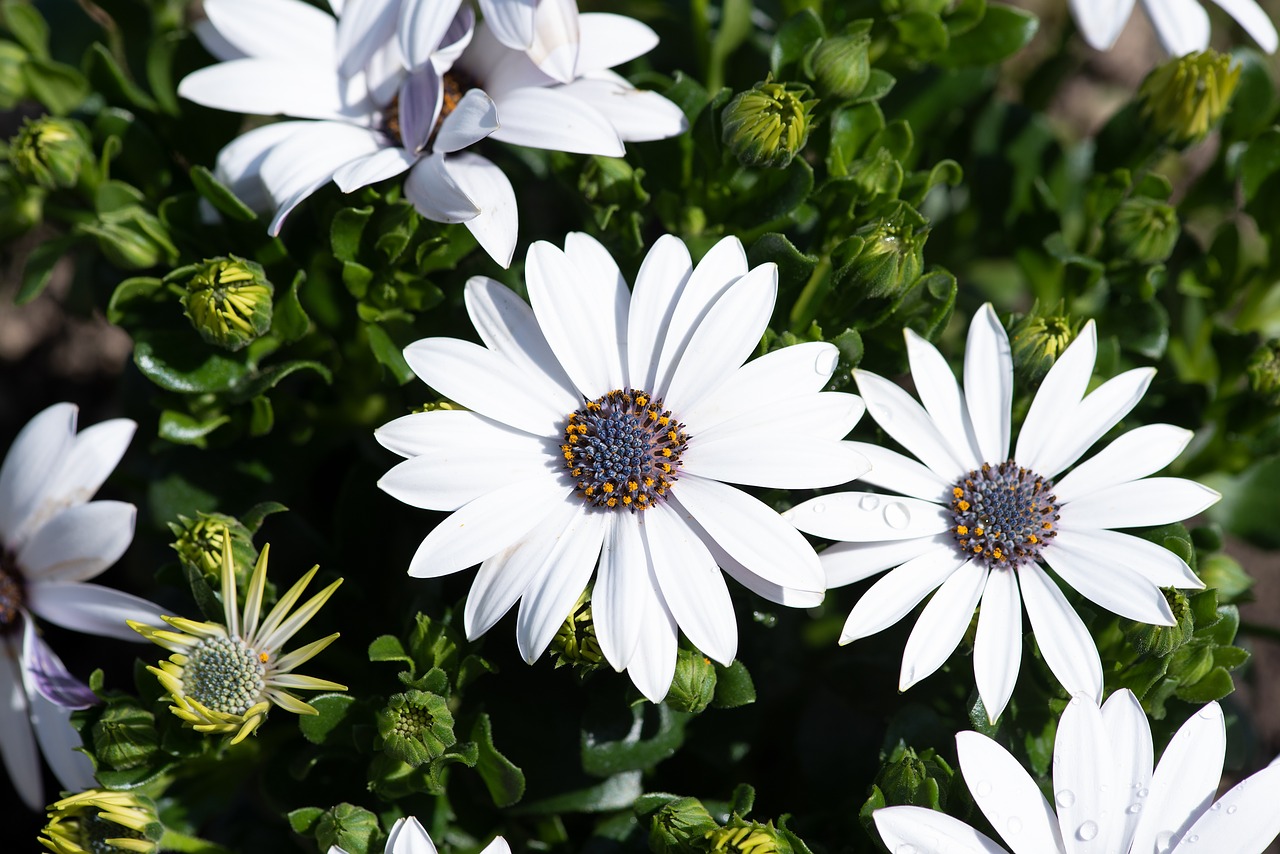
pixel 806 305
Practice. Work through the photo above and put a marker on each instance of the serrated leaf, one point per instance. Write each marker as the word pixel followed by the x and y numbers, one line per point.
pixel 389 648
pixel 1214 686
pixel 334 709
pixel 253 518
pixel 652 734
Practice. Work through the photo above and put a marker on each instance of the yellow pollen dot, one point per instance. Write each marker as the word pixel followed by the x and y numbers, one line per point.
pixel 666 468
pixel 962 529
pixel 573 440
pixel 590 490
pixel 977 550
pixel 648 481
pixel 1046 525
pixel 664 421
pixel 963 505
pixel 999 555
pixel 626 499
pixel 666 452
pixel 608 487
pixel 1033 539
pixel 263 657
pixel 641 400
pixel 978 532
pixel 957 492
pixel 643 499
pixel 612 502
pixel 632 485
pixel 671 436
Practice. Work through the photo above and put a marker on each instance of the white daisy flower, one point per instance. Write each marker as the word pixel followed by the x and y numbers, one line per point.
pixel 975 523
pixel 1181 25
pixel 52 540
pixel 386 96
pixel 1108 800
pixel 408 836
pixel 601 429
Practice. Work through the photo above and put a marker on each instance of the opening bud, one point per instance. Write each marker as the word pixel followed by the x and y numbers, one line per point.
pixel 694 685
pixel 1188 95
pixel 1143 230
pixel 416 727
pixel 102 822
pixel 1038 339
pixel 768 124
pixel 227 300
pixel 51 151
pixel 1163 640
pixel 576 644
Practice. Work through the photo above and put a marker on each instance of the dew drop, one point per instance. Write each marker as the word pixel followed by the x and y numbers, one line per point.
pixel 819 507
pixel 1193 839
pixel 1231 810
pixel 882 414
pixel 1216 807
pixel 908 676
pixel 984 788
pixel 896 515
pixel 1143 792
pixel 1134 809
pixel 1164 841
pixel 825 364
pixel 1087 831
pixel 1066 798
pixel 869 502
pixel 1014 825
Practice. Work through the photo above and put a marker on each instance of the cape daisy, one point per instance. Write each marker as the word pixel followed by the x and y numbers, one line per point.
pixel 600 429
pixel 1181 25
pixel 975 523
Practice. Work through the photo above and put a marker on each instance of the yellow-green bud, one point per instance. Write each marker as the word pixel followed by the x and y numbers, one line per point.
pixel 680 827
pixel 1143 230
pixel 125 736
pixel 347 826
pixel 227 300
pixel 102 822
pixel 768 124
pixel 1037 340
pixel 1186 96
pixel 694 685
pixel 840 66
pixel 132 238
pixel 747 838
pixel 576 643
pixel 1264 371
pixel 1163 640
pixel 199 545
pixel 416 727
pixel 885 258
pixel 50 151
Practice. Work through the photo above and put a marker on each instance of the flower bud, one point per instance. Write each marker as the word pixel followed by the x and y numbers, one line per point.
pixel 132 238
pixel 1038 339
pixel 1264 371
pixel 768 124
pixel 680 827
pixel 1163 640
pixel 917 779
pixel 1188 95
pixel 199 544
pixel 416 727
pixel 125 736
pixel 694 685
pixel 885 258
pixel 1143 230
pixel 50 151
pixel 840 66
pixel 227 300
pixel 347 826
pixel 102 822
pixel 576 643
pixel 742 837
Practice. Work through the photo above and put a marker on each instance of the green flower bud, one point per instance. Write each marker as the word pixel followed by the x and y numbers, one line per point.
pixel 13 83
pixel 1038 339
pixel 612 181
pixel 840 66
pixel 1264 371
pixel 102 822
pixel 51 151
pixel 416 727
pixel 743 837
pixel 132 238
pixel 1143 230
pixel 125 736
pixel 680 827
pixel 347 826
pixel 916 779
pixel 694 684
pixel 884 258
pixel 199 544
pixel 768 124
pixel 227 300
pixel 1188 95
pixel 576 644
pixel 1163 640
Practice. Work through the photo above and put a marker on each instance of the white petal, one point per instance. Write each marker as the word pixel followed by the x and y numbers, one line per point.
pixel 554 48
pixel 95 452
pixel 787 373
pixel 364 25
pixel 1244 820
pixel 909 424
pixel 486 526
pixel 1101 21
pixel 59 743
pixel 504 577
pixel 789 597
pixel 826 415
pixel 581 317
pixel 608 40
pixel 214 42
pixel 637 115
pixel 474 118
pixel 449 478
pixel 506 324
pixel 305 160
pixel 268 87
pixel 1157 564
pixel 691 583
pixel 1254 20
pixel 1059 394
pixel 1134 455
pixel 653 663
pixel 421 100
pixel 546 118
pixel 455 430
pixel 1182 25
pixel 422 27
pixel 595 263
pixel 40 448
pixel 727 335
pixel 923 831
pixel 1087 423
pixel 1185 780
pixel 408 836
pixel 662 278
pixel 1152 501
pixel 1115 587
pixel 943 399
pixel 552 593
pixel 891 470
pixel 1007 796
pixel 617 598
pixel 1082 778
pixel 92 609
pixel 457 38
pixel 274 29
pixel 847 563
pixel 899 591
pixel 486 382
pixel 494 228
pixel 78 543
pixel 864 517
pixel 988 384
pixel 811 464
pixel 372 168
pixel 942 624
pixel 382 76
pixel 436 194
pixel 997 647
pixel 751 532
pixel 1064 641
pixel 17 741
pixel 510 20
pixel 239 163
pixel 497 846
pixel 1129 737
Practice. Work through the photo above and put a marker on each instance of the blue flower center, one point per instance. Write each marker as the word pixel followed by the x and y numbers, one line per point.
pixel 1004 514
pixel 623 449
pixel 224 674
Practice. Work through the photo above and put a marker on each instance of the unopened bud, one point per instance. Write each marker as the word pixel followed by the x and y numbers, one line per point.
pixel 50 151
pixel 347 826
pixel 1163 640
pixel 748 838
pixel 694 685
pixel 227 300
pixel 1188 95
pixel 768 124
pixel 1143 230
pixel 125 736
pixel 680 827
pixel 199 544
pixel 416 727
pixel 1038 339
pixel 885 258
pixel 576 643
pixel 132 238
pixel 840 65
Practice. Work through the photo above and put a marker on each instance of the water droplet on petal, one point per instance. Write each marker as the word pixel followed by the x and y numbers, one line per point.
pixel 1087 831
pixel 1231 810
pixel 984 788
pixel 819 507
pixel 896 515
pixel 1216 807
pixel 1066 798
pixel 1143 792
pixel 1014 825
pixel 826 365
pixel 909 676
pixel 1134 809
pixel 1193 839
pixel 882 414
pixel 869 502
pixel 1164 841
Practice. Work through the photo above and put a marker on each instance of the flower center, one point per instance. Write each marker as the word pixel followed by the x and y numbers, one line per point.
pixel 11 593
pixel 623 450
pixel 223 674
pixel 1003 514
pixel 96 831
pixel 455 83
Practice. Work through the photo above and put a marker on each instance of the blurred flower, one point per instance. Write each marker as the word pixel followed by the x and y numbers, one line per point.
pixel 50 151
pixel 224 679
pixel 102 822
pixel 654 379
pixel 227 300
pixel 1144 230
pixel 1186 97
pixel 52 540
pixel 840 64
pixel 1107 798
pixel 408 836
pixel 391 95
pixel 1264 371
pixel 975 523
pixel 768 124
pixel 1182 25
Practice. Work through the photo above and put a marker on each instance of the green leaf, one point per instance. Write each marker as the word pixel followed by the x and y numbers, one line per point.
pixel 334 709
pixel 220 196
pixel 879 84
pixel 503 779
pixel 797 35
pixel 107 77
pixel 617 793
pixel 1249 502
pixel 253 518
pixel 735 28
pixel 344 234
pixel 1260 160
pixel 178 361
pixel 389 648
pixel 252 386
pixel 160 70
pixel 303 820
pixel 136 288
pixel 206 600
pixel 289 319
pixel 1001 33
pixel 653 734
pixel 39 267
pixel 794 266
pixel 1214 686
pixel 262 416
pixel 1253 106
pixel 183 429
pixel 734 687
pixel 743 800
pixel 356 277
pixel 59 87
pixel 28 26
pixel 388 353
